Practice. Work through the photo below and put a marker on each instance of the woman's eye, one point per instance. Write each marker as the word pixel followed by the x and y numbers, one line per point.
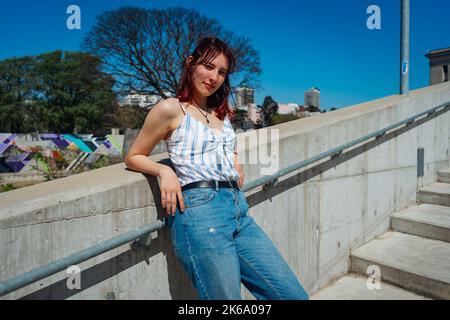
pixel 210 67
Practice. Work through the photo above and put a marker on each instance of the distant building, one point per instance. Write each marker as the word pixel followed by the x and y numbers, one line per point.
pixel 439 65
pixel 250 116
pixel 243 108
pixel 312 97
pixel 288 108
pixel 254 113
pixel 141 100
pixel 244 96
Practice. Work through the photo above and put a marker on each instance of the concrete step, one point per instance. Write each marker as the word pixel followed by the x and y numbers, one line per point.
pixel 436 193
pixel 444 175
pixel 414 263
pixel 354 287
pixel 424 220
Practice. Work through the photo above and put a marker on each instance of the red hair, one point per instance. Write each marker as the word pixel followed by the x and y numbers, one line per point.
pixel 207 50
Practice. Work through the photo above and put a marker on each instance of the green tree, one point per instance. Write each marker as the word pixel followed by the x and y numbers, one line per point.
pixel 313 109
pixel 281 118
pixel 77 94
pixel 144 49
pixel 129 116
pixel 55 92
pixel 16 89
pixel 269 110
pixel 240 115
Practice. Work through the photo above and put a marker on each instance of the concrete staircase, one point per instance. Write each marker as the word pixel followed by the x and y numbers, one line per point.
pixel 413 258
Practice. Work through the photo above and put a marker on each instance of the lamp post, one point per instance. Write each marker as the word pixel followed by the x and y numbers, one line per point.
pixel 404 59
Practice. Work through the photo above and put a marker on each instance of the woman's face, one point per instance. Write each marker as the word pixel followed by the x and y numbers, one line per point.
pixel 210 76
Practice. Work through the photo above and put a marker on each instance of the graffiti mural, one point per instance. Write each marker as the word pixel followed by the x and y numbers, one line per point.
pixel 47 150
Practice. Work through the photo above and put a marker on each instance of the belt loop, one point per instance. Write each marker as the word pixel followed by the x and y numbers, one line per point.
pixel 217 185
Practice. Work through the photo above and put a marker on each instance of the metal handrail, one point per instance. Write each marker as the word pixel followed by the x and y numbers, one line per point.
pixel 338 150
pixel 143 234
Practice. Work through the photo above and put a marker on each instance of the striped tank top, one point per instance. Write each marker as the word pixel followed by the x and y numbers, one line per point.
pixel 199 153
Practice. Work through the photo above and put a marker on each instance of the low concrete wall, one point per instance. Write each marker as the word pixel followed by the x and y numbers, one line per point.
pixel 314 216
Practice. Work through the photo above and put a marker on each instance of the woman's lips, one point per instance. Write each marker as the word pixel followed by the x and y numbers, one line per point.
pixel 208 86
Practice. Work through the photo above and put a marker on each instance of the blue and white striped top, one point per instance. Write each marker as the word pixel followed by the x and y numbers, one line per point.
pixel 199 153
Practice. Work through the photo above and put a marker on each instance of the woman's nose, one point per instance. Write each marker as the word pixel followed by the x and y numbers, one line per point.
pixel 213 77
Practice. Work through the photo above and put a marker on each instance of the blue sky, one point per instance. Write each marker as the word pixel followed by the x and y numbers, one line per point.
pixel 322 43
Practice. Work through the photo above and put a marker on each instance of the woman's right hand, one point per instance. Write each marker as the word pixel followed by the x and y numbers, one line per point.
pixel 170 190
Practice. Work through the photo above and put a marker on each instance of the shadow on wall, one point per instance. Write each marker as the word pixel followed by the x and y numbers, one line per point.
pixel 270 190
pixel 180 287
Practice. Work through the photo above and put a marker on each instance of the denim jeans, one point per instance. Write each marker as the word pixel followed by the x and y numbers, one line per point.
pixel 220 246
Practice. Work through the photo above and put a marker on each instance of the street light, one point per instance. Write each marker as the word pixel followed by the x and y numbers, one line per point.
pixel 404 59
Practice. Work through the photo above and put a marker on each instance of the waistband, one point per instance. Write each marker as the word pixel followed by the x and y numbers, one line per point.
pixel 211 184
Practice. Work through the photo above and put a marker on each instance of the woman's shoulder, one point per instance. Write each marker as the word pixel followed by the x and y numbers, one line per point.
pixel 168 108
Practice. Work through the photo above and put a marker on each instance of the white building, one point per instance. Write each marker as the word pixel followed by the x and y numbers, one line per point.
pixel 242 108
pixel 312 97
pixel 141 100
pixel 288 108
pixel 253 113
pixel 244 96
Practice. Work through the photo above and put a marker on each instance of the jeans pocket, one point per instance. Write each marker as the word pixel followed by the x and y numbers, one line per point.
pixel 194 198
pixel 243 204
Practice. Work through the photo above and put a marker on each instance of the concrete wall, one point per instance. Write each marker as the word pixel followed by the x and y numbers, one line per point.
pixel 314 216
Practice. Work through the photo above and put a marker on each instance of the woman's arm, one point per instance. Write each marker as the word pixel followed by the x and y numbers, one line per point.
pixel 157 125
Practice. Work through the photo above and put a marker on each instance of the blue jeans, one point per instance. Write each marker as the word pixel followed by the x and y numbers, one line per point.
pixel 220 246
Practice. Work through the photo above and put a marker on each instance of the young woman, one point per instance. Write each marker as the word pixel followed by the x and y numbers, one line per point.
pixel 214 238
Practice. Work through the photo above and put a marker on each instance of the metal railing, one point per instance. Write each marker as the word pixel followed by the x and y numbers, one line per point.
pixel 142 235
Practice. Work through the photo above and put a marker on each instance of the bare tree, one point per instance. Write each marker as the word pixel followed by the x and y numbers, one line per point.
pixel 144 49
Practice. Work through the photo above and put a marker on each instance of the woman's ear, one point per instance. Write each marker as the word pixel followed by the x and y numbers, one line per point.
pixel 189 60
